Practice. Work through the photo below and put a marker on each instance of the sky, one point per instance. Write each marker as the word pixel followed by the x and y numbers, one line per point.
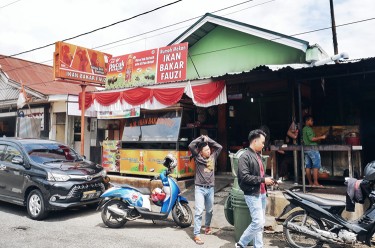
pixel 30 24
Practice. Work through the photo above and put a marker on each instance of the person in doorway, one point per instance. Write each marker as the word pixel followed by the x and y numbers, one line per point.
pixel 205 161
pixel 312 157
pixel 286 158
pixel 253 182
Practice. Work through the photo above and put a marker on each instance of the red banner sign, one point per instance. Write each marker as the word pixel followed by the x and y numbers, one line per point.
pixel 79 63
pixel 172 63
pixel 130 70
pixel 166 64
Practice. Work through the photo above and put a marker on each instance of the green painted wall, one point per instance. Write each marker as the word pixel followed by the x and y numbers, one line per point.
pixel 212 57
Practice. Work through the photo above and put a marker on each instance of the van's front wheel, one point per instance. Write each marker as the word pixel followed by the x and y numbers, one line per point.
pixel 35 205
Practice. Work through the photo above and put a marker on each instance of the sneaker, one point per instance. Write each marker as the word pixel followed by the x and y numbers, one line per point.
pixel 198 240
pixel 208 231
pixel 237 245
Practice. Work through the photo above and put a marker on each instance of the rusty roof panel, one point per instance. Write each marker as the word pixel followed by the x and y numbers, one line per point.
pixel 38 77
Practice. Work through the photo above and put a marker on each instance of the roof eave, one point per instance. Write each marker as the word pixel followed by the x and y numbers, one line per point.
pixel 245 28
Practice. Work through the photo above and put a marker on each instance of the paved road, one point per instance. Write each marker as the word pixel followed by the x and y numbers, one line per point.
pixel 83 228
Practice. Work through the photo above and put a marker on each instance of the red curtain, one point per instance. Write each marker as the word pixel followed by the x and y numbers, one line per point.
pixel 136 96
pixel 203 94
pixel 107 99
pixel 89 99
pixel 206 93
pixel 168 96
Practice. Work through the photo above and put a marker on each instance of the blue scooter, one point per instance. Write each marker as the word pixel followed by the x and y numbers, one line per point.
pixel 121 203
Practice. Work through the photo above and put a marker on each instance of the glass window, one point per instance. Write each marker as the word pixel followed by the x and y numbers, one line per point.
pixel 51 152
pixel 2 151
pixel 162 126
pixel 10 153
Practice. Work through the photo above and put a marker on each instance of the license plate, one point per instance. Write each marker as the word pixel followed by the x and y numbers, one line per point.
pixel 90 194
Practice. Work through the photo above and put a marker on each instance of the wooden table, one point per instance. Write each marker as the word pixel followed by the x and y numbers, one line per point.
pixel 348 148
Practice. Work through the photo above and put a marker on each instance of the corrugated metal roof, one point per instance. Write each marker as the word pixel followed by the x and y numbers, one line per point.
pixel 8 92
pixel 37 77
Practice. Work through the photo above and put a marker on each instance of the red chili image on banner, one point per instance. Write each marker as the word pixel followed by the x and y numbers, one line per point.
pixel 172 63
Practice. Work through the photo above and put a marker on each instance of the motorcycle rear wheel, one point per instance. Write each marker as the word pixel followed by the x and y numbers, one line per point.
pixel 182 214
pixel 110 219
pixel 299 240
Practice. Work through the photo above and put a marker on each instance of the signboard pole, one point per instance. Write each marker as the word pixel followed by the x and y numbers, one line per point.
pixel 83 102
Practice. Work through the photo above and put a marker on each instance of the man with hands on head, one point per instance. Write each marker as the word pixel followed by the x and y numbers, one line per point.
pixel 205 151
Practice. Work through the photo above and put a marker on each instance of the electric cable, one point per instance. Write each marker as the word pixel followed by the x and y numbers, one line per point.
pixel 97 29
pixel 9 4
pixel 311 31
pixel 37 63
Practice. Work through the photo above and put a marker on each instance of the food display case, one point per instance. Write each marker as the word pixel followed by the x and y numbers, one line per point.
pixel 147 139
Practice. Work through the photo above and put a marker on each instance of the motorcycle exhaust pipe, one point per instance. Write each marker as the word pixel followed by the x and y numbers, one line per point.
pixel 305 230
pixel 117 211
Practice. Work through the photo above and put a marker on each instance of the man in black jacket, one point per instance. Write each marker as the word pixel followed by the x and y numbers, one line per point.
pixel 252 181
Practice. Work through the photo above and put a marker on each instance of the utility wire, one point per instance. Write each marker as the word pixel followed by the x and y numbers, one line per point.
pixel 92 31
pixel 254 43
pixel 134 36
pixel 9 4
pixel 278 38
pixel 228 48
pixel 187 20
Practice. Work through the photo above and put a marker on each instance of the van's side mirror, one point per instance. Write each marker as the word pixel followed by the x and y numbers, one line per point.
pixel 17 160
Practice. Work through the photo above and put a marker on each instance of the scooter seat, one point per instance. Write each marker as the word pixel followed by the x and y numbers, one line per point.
pixel 321 201
pixel 143 191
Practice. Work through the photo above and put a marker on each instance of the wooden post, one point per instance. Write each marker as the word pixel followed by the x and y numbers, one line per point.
pixel 83 102
pixel 301 136
pixel 221 139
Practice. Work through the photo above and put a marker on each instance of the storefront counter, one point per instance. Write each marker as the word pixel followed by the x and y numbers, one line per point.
pixel 351 150
pixel 150 162
pixel 147 140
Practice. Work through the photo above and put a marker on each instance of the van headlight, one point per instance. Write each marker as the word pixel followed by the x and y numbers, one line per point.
pixel 57 177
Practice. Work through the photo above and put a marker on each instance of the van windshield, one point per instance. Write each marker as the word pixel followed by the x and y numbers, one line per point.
pixel 52 152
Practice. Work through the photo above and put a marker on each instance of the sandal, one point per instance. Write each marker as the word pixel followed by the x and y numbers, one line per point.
pixel 318 186
pixel 208 231
pixel 198 240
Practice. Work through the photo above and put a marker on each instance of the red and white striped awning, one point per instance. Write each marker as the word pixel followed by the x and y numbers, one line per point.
pixel 204 93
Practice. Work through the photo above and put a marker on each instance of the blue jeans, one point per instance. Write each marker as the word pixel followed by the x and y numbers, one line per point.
pixel 204 199
pixel 257 207
pixel 312 159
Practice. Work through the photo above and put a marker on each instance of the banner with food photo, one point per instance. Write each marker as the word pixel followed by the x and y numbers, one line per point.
pixel 131 70
pixel 80 63
pixel 159 65
pixel 111 155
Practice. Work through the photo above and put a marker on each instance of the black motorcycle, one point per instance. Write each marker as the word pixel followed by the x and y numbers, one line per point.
pixel 320 219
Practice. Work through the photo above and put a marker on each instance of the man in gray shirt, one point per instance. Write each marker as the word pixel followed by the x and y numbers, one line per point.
pixel 205 152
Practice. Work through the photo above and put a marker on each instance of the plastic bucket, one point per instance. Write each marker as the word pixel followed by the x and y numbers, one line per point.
pixel 241 213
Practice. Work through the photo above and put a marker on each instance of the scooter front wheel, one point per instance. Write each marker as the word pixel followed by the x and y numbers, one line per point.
pixel 182 214
pixel 110 218
pixel 297 239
